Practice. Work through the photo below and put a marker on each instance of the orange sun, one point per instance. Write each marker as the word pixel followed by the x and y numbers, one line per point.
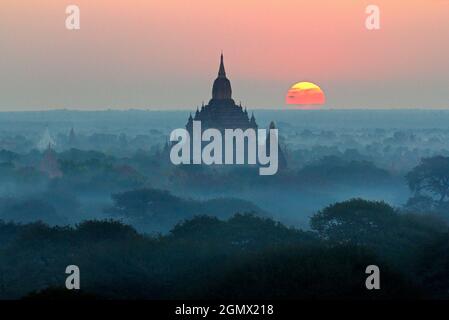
pixel 305 94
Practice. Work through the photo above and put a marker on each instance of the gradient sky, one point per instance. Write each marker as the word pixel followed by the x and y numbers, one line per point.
pixel 156 54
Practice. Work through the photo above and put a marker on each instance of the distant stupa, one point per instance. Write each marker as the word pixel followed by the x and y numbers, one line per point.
pixel 282 161
pixel 49 164
pixel 46 141
pixel 72 138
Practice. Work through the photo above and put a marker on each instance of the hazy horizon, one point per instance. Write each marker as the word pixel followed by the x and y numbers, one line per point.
pixel 192 109
pixel 165 55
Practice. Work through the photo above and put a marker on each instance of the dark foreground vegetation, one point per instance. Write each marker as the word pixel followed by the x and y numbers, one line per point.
pixel 243 257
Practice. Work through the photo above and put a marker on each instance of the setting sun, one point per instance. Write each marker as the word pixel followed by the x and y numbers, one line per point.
pixel 305 94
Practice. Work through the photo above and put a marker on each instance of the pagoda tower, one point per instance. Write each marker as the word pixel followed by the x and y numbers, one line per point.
pixel 222 112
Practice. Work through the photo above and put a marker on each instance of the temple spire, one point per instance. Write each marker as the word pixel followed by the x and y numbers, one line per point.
pixel 221 90
pixel 221 71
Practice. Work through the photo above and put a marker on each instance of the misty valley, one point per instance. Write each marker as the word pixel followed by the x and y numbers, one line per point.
pixel 98 190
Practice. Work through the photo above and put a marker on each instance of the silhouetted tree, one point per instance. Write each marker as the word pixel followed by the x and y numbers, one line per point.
pixel 431 176
pixel 378 227
pixel 355 221
pixel 420 203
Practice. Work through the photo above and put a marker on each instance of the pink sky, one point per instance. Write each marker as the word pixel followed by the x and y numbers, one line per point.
pixel 165 54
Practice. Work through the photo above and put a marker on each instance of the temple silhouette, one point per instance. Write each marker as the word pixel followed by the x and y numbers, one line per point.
pixel 223 113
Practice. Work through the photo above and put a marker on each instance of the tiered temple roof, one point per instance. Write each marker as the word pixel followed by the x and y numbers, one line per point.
pixel 222 112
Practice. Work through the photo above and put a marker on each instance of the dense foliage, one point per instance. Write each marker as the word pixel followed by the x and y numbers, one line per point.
pixel 244 256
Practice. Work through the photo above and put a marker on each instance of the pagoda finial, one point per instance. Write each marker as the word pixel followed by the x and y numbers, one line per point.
pixel 221 71
pixel 253 120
